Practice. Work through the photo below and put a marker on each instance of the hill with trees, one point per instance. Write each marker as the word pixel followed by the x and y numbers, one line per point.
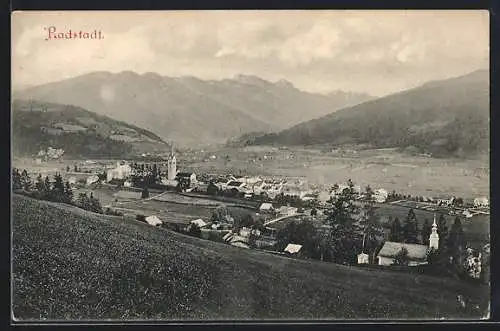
pixel 443 118
pixel 81 133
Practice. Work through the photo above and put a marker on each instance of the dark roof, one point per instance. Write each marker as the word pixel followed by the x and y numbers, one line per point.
pixel 184 174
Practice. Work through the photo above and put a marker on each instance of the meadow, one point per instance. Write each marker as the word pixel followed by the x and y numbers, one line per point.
pixel 72 264
pixel 382 168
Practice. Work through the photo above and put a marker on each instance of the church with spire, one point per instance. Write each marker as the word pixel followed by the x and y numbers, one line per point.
pixel 171 164
pixel 417 253
pixel 434 237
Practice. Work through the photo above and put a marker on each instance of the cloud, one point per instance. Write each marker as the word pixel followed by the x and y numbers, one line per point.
pixel 310 48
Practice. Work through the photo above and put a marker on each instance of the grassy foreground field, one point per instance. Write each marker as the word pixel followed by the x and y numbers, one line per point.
pixel 70 264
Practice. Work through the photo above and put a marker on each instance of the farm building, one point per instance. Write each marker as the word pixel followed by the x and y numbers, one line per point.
pixel 121 171
pixel 363 258
pixel 199 222
pixel 287 211
pixel 417 254
pixel 380 195
pixel 266 207
pixel 153 220
pixel 92 179
pixel 481 202
pixel 189 176
pixel 292 249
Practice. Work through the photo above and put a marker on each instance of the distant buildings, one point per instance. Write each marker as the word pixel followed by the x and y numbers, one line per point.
pixel 50 153
pixel 380 195
pixel 481 202
pixel 122 171
pixel 92 179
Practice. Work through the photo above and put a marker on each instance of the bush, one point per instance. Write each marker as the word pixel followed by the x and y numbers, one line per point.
pixel 141 218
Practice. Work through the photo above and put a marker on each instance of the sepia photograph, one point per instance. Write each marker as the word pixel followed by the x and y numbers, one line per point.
pixel 250 165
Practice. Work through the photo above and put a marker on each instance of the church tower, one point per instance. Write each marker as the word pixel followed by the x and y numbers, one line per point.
pixel 434 237
pixel 171 164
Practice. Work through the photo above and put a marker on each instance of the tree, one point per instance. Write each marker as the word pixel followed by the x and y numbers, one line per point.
pixel 426 232
pixel 456 241
pixel 145 193
pixel 76 168
pixel 410 228
pixel 368 194
pixel 340 216
pixel 194 231
pixel 373 233
pixel 396 234
pixel 302 233
pixel 16 179
pixel 401 258
pixel 47 189
pixel 68 193
pixel 212 189
pixel 314 212
pixel 67 168
pixel 442 231
pixel 95 205
pixel 83 201
pixel 57 191
pixel 26 181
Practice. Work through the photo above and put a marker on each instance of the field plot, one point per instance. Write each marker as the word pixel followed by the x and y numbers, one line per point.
pixel 386 168
pixel 69 264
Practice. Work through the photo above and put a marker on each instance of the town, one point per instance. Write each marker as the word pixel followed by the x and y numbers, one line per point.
pixel 338 222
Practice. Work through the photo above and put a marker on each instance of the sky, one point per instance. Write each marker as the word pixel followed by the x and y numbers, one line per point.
pixel 375 52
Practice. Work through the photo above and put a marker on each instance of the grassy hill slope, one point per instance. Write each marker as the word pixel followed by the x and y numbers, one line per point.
pixel 69 264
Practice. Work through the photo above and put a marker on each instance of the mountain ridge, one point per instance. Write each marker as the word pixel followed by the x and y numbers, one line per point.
pixel 190 110
pixel 451 113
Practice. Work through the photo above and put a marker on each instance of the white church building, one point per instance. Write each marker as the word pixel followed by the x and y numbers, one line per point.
pixel 417 254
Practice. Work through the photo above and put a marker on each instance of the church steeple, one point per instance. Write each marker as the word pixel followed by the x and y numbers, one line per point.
pixel 171 164
pixel 434 237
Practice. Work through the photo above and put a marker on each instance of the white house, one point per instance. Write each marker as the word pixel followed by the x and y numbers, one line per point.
pixel 153 220
pixel 363 258
pixel 199 222
pixel 481 202
pixel 127 183
pixel 287 211
pixel 417 254
pixel 121 171
pixel 92 179
pixel 266 207
pixel 380 195
pixel 292 248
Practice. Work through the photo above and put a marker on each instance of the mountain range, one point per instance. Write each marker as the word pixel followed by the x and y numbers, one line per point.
pixel 191 111
pixel 446 117
pixel 81 133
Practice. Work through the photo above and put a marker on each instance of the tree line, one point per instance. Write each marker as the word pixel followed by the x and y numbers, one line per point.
pixel 55 190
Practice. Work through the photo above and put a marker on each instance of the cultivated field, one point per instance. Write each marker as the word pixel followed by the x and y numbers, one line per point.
pixel 386 168
pixel 71 264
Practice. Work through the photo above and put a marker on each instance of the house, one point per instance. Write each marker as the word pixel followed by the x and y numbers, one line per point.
pixel 363 258
pixel 417 254
pixel 72 180
pixel 127 183
pixel 380 195
pixel 287 211
pixel 240 244
pixel 168 182
pixel 92 179
pixel 190 177
pixel 266 207
pixel 292 248
pixel 153 220
pixel 235 185
pixel 481 202
pixel 199 222
pixel 121 171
